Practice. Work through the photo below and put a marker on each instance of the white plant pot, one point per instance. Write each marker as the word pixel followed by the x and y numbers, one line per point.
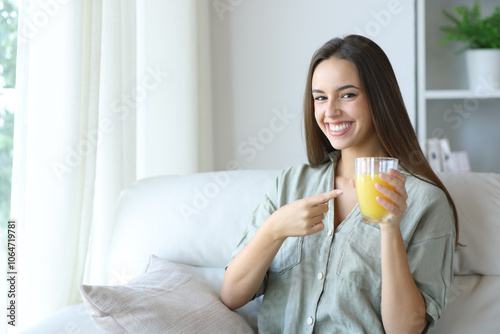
pixel 483 69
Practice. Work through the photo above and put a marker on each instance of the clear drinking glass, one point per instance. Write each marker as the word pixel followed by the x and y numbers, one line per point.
pixel 368 172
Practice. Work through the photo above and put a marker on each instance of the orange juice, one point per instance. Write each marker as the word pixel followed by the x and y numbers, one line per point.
pixel 366 192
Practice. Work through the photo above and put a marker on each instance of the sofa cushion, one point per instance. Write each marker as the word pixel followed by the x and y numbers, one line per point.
pixel 477 198
pixel 473 306
pixel 194 219
pixel 72 319
pixel 165 299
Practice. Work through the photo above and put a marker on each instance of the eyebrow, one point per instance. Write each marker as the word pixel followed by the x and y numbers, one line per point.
pixel 337 90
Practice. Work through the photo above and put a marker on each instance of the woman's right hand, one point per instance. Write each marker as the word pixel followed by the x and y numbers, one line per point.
pixel 247 270
pixel 301 217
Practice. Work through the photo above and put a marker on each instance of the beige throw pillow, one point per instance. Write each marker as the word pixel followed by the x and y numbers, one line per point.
pixel 165 299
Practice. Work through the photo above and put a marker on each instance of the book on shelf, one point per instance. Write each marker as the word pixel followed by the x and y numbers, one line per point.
pixel 442 159
pixel 461 159
pixel 433 154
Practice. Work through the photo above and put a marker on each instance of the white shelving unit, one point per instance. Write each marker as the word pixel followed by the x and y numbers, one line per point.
pixel 450 94
pixel 445 106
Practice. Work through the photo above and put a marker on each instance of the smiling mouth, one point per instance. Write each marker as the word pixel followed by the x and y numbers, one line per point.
pixel 339 129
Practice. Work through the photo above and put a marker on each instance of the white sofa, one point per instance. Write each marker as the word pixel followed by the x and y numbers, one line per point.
pixel 198 219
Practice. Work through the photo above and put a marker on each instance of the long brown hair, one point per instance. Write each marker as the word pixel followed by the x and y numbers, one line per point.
pixel 389 116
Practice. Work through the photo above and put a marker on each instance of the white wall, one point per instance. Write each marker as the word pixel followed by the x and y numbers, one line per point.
pixel 260 53
pixel 173 49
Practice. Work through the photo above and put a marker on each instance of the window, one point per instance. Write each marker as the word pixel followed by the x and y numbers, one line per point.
pixel 8 53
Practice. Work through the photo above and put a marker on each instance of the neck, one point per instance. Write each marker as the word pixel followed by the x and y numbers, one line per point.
pixel 345 165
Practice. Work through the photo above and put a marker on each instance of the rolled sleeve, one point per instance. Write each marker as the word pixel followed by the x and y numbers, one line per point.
pixel 430 254
pixel 432 268
pixel 260 214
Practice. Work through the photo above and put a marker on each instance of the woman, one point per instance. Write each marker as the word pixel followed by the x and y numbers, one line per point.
pixel 320 267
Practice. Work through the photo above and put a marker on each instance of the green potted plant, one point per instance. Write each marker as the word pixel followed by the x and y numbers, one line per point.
pixel 481 36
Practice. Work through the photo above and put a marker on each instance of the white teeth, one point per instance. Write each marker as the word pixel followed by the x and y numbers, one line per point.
pixel 337 128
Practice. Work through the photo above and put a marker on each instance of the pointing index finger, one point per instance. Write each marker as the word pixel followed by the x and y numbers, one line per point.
pixel 325 197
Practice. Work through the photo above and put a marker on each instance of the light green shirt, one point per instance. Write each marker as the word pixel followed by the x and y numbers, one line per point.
pixel 330 282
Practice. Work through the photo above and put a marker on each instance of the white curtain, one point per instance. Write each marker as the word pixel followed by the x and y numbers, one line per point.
pixel 83 75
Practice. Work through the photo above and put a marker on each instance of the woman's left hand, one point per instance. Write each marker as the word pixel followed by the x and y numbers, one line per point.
pixel 398 196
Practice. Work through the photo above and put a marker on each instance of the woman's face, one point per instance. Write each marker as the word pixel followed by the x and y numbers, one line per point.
pixel 341 107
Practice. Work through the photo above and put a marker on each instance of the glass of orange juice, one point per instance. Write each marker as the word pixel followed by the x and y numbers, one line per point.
pixel 368 172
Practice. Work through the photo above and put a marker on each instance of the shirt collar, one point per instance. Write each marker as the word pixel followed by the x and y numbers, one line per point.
pixel 334 156
pixel 331 157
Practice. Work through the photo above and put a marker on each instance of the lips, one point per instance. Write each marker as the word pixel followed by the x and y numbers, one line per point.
pixel 339 128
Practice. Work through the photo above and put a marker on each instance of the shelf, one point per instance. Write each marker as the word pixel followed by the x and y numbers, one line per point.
pixel 468 118
pixel 461 94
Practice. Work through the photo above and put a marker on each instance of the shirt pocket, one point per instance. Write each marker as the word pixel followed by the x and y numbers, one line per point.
pixel 360 262
pixel 288 256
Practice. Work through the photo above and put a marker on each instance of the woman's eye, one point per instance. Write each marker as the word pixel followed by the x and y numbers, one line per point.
pixel 348 95
pixel 320 98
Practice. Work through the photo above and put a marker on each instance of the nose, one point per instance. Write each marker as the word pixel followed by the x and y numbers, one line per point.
pixel 332 109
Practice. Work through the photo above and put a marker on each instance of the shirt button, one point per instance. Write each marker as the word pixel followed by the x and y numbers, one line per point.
pixel 310 320
pixel 320 275
pixel 330 233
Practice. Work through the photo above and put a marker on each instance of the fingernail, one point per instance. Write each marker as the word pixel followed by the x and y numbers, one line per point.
pixel 339 192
